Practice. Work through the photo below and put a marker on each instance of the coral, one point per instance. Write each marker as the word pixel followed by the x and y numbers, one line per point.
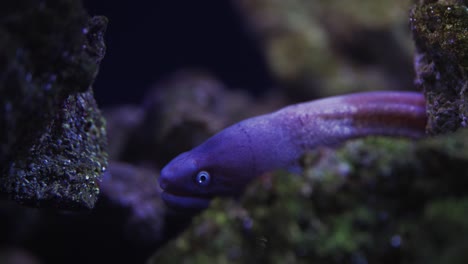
pixel 371 201
pixel 440 31
pixel 52 141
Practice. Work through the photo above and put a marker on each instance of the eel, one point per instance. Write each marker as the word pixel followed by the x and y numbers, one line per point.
pixel 224 164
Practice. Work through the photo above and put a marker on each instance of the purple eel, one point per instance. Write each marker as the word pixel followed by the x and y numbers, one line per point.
pixel 225 163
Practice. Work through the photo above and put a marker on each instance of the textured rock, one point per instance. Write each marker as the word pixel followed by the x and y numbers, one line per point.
pixel 440 31
pixel 52 139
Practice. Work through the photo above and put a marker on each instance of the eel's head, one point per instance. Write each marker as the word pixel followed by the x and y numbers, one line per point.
pixel 185 185
pixel 216 168
pixel 189 186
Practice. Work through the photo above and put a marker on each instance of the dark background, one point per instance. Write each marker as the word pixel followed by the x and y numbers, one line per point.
pixel 149 40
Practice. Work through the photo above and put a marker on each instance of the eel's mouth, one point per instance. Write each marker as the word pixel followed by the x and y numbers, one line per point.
pixel 180 201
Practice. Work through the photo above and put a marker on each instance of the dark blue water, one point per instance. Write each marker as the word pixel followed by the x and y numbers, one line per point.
pixel 148 40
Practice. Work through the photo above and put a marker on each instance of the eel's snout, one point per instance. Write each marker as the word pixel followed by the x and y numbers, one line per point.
pixel 176 182
pixel 163 182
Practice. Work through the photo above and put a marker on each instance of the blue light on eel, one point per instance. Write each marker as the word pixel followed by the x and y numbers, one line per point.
pixel 225 163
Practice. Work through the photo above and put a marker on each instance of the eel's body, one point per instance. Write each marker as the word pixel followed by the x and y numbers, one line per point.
pixel 228 161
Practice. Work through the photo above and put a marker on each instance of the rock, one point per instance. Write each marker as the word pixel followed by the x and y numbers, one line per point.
pixel 52 141
pixel 441 62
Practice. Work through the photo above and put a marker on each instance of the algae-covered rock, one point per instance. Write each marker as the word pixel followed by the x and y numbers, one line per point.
pixel 52 135
pixel 376 200
pixel 440 31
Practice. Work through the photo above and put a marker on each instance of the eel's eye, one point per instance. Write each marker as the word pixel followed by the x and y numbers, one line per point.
pixel 203 178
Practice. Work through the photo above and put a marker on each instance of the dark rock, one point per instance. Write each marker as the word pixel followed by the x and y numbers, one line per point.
pixel 52 139
pixel 441 62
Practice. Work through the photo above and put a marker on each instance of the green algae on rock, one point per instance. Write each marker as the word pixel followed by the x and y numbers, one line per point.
pixel 371 201
pixel 53 137
pixel 440 31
